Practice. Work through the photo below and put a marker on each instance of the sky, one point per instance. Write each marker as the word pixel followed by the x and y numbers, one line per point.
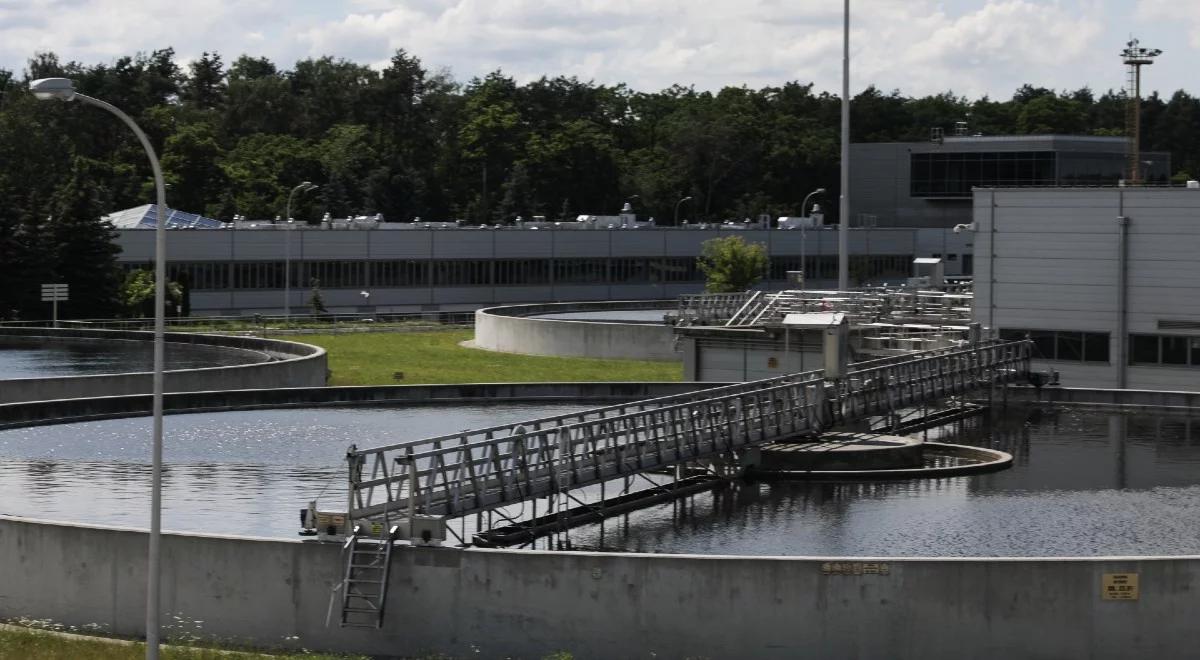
pixel 969 47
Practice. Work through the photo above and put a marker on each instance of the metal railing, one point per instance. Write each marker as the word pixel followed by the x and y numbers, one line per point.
pixel 254 322
pixel 474 471
pixel 708 308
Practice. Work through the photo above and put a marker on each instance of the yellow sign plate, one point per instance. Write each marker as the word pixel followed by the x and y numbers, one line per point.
pixel 1119 586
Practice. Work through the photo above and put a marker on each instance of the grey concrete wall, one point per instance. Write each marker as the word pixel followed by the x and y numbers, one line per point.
pixel 75 410
pixel 509 329
pixel 291 364
pixel 498 603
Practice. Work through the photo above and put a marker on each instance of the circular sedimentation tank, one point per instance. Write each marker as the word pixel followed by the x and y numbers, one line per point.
pixel 1080 482
pixel 866 455
pixel 48 357
pixel 42 364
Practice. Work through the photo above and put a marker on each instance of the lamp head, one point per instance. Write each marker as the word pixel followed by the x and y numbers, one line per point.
pixel 46 89
pixel 820 191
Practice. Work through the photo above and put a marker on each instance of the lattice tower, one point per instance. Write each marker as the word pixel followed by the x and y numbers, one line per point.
pixel 1135 57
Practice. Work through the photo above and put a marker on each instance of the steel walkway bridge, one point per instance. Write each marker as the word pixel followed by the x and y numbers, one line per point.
pixel 402 490
pixel 474 471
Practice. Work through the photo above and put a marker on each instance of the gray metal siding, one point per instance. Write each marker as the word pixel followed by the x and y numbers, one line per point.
pixel 1057 268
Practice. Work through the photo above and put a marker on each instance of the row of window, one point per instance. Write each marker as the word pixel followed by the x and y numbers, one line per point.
pixel 954 174
pixel 202 276
pixel 1071 346
pixel 1171 350
pixel 1065 345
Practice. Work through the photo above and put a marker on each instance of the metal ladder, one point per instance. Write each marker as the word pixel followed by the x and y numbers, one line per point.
pixel 365 581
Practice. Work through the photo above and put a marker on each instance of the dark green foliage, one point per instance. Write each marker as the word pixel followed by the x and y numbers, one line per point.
pixel 137 295
pixel 316 301
pixel 407 142
pixel 731 264
pixel 81 244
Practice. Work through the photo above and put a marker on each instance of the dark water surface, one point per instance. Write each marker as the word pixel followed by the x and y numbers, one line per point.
pixel 244 472
pixel 1083 483
pixel 21 360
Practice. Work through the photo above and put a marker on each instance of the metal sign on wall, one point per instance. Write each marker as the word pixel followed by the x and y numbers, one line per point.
pixel 1119 586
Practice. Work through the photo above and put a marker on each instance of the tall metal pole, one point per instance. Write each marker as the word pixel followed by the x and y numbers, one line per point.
pixel 287 274
pixel 154 561
pixel 844 209
pixel 304 186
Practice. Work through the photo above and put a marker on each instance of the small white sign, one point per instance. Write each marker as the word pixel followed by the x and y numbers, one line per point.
pixel 54 292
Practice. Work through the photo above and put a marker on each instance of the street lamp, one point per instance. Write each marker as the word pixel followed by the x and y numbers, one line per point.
pixel 804 204
pixel 803 227
pixel 62 89
pixel 685 199
pixel 304 186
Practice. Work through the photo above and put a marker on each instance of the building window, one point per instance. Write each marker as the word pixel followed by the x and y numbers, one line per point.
pixel 522 272
pixel 202 276
pixel 332 274
pixel 1063 345
pixel 399 273
pixel 954 174
pixel 1166 350
pixel 580 271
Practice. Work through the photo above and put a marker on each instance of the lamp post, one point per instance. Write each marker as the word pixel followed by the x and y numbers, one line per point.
pixel 685 199
pixel 62 89
pixel 803 227
pixel 304 186
pixel 844 206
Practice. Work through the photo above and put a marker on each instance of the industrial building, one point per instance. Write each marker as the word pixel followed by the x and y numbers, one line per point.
pixel 1105 281
pixel 928 184
pixel 906 198
pixel 383 271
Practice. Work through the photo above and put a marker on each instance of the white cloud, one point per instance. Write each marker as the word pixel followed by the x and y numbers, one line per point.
pixel 1174 11
pixel 917 46
pixel 913 44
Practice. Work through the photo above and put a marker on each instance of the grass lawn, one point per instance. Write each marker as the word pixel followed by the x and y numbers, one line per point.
pixel 33 644
pixel 370 358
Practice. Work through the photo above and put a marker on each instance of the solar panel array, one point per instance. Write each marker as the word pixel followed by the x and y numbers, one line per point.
pixel 146 217
pixel 179 219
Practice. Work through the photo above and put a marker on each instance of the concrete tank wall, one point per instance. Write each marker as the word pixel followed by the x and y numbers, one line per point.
pixel 510 330
pixel 498 603
pixel 32 413
pixel 291 364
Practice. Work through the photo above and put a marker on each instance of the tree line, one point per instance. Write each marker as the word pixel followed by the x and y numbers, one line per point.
pixel 407 142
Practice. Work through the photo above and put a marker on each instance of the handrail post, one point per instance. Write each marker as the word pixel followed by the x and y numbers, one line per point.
pixel 412 488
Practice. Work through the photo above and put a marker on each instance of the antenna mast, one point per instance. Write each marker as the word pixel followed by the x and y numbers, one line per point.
pixel 1135 57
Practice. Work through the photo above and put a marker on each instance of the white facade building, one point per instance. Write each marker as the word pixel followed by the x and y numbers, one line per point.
pixel 1105 280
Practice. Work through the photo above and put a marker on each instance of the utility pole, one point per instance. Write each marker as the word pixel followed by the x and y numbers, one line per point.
pixel 844 208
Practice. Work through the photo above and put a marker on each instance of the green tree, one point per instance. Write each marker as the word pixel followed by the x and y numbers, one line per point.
pixel 1052 114
pixel 190 163
pixel 316 301
pixel 84 247
pixel 137 294
pixel 204 86
pixel 731 264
